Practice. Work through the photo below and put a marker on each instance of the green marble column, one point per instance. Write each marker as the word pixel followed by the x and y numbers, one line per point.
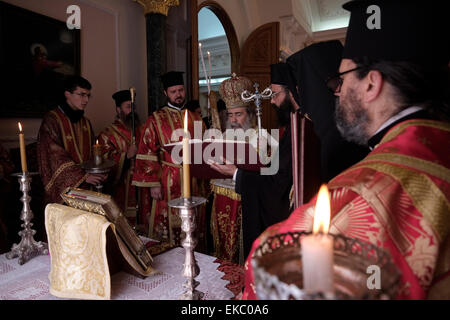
pixel 156 12
pixel 156 59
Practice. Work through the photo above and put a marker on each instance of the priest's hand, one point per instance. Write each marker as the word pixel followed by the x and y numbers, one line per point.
pixel 226 169
pixel 96 178
pixel 132 151
pixel 156 193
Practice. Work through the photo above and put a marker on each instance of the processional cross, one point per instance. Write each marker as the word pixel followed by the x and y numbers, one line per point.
pixel 257 97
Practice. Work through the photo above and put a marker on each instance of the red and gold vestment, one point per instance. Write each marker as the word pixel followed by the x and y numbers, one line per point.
pixel 156 168
pixel 115 141
pixel 397 198
pixel 62 146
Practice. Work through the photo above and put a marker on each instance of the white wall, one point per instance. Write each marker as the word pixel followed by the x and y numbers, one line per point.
pixel 113 57
pixel 247 15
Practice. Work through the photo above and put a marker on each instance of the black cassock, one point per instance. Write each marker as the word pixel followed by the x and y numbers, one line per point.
pixel 265 198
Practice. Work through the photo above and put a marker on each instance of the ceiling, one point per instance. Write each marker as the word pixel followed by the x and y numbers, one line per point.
pixel 320 15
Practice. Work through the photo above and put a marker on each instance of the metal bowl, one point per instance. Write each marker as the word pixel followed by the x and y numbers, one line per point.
pixel 104 167
pixel 277 269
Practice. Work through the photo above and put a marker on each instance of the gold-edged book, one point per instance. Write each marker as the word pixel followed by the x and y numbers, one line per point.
pixel 131 246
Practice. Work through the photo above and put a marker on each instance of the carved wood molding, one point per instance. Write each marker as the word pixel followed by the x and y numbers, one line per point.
pixel 157 6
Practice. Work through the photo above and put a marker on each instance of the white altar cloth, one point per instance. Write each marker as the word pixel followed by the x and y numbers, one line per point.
pixel 30 280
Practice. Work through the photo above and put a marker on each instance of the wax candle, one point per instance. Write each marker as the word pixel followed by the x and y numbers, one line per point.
pixel 204 68
pixel 209 63
pixel 97 151
pixel 317 249
pixel 97 148
pixel 23 152
pixel 186 160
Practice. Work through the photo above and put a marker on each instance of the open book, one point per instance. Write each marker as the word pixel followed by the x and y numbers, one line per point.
pixel 240 153
pixel 130 245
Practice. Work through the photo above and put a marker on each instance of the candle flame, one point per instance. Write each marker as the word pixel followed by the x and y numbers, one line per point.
pixel 200 44
pixel 208 53
pixel 96 141
pixel 322 211
pixel 20 126
pixel 186 121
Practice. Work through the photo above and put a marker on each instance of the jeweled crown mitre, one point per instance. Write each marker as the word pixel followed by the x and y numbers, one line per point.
pixel 230 90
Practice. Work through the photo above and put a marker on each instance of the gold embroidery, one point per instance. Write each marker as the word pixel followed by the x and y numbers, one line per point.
pixel 146 184
pixel 174 165
pixel 79 265
pixel 146 157
pixel 425 195
pixel 427 123
pixel 72 135
pixel 115 130
pixel 423 259
pixel 227 192
pixel 169 117
pixel 61 168
pixel 157 117
pixel 429 167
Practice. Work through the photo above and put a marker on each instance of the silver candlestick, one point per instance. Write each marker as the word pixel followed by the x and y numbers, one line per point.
pixel 28 247
pixel 188 211
pixel 257 97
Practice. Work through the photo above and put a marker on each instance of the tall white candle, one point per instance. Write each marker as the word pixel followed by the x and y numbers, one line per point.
pixel 186 160
pixel 23 152
pixel 317 249
pixel 209 63
pixel 204 68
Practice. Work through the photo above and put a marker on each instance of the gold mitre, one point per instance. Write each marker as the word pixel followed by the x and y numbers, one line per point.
pixel 230 90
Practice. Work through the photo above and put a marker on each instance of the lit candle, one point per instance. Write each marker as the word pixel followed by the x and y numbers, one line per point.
pixel 209 63
pixel 317 249
pixel 186 168
pixel 97 151
pixel 204 68
pixel 23 152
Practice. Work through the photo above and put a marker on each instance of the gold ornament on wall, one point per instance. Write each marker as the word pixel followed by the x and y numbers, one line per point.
pixel 157 6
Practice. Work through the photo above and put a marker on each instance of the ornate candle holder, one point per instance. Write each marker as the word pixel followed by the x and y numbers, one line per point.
pixel 277 268
pixel 257 97
pixel 188 213
pixel 28 247
pixel 98 165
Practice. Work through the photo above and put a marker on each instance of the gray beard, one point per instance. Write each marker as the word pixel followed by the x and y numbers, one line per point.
pixel 233 125
pixel 354 130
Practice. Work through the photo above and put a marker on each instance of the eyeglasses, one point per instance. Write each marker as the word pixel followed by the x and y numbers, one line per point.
pixel 334 83
pixel 274 93
pixel 83 95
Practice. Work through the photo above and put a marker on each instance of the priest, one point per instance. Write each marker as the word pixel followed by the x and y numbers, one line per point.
pixel 65 141
pixel 265 198
pixel 392 90
pixel 118 144
pixel 155 167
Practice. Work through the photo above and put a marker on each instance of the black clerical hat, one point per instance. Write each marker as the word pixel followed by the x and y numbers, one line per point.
pixel 121 96
pixel 172 78
pixel 311 67
pixel 398 30
pixel 280 73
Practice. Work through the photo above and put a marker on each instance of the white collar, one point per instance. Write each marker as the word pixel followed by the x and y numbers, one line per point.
pixel 399 115
pixel 173 107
